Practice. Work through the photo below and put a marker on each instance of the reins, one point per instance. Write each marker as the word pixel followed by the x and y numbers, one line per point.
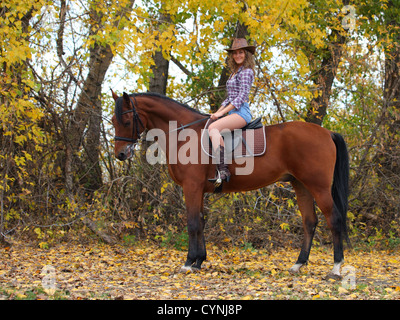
pixel 189 124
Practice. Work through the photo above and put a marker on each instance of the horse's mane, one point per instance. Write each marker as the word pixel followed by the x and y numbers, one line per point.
pixel 119 111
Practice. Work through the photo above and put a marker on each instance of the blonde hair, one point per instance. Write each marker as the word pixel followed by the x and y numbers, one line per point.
pixel 249 62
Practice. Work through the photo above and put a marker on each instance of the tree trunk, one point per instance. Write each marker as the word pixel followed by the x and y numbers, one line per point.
pixel 85 126
pixel 87 117
pixel 158 82
pixel 325 73
pixel 390 153
pixel 324 80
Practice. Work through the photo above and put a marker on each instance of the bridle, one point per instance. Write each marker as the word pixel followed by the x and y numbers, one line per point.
pixel 136 122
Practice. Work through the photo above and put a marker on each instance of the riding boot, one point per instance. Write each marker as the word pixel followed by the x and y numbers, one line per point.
pixel 222 173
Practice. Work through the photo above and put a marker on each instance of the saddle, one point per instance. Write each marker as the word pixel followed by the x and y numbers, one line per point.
pixel 249 141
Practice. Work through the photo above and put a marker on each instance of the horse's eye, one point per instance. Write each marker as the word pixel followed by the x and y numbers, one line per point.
pixel 127 124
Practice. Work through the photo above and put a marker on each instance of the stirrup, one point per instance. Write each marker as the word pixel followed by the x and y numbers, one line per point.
pixel 217 181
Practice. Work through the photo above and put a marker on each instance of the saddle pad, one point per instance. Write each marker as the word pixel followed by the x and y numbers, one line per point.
pixel 238 143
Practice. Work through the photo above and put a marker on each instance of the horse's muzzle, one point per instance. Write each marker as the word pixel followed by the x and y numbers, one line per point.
pixel 127 153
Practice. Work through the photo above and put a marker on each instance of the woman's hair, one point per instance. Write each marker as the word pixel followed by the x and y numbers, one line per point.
pixel 249 62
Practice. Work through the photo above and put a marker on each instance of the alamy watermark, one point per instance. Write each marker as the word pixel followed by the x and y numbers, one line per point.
pixel 187 146
pixel 49 282
pixel 349 20
pixel 349 277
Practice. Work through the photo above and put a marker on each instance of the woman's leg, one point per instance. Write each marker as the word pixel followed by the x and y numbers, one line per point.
pixel 230 122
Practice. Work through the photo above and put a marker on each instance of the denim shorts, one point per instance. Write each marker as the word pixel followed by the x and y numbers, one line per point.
pixel 243 111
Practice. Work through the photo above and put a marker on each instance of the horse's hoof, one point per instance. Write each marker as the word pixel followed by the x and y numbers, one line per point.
pixel 296 268
pixel 333 276
pixel 195 269
pixel 186 269
pixel 189 269
pixel 335 273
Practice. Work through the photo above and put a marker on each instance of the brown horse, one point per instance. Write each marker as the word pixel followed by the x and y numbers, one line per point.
pixel 313 159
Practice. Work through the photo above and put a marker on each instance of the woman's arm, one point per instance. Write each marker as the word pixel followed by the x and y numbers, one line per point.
pixel 221 111
pixel 246 81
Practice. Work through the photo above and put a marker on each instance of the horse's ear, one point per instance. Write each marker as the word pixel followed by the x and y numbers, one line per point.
pixel 126 96
pixel 114 95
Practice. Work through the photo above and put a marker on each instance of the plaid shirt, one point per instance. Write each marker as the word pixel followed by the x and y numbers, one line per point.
pixel 238 87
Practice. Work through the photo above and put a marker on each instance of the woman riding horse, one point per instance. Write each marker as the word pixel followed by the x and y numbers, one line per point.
pixel 241 63
pixel 313 159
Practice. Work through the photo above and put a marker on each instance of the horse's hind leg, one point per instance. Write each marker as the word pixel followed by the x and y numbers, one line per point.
pixel 306 204
pixel 325 202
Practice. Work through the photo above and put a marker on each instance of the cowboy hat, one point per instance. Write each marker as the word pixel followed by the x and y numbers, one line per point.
pixel 241 43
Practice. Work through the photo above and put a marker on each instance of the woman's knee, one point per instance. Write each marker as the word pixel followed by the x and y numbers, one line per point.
pixel 213 130
pixel 213 126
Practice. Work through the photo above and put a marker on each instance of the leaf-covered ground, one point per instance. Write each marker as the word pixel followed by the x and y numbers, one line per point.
pixel 150 272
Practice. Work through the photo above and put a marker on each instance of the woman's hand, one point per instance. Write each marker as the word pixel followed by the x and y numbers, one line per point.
pixel 221 111
pixel 216 115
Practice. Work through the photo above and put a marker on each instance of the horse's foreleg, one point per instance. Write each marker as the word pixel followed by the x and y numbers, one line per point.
pixel 195 224
pixel 306 205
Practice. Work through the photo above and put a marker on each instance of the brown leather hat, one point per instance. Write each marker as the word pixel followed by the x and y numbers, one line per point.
pixel 241 43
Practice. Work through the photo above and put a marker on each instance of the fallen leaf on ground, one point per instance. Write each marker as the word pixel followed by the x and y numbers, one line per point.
pixel 150 272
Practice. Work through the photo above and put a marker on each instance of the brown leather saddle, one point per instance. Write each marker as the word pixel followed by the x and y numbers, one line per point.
pixel 249 141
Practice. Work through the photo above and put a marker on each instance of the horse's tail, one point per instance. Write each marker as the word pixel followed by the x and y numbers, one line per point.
pixel 340 186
